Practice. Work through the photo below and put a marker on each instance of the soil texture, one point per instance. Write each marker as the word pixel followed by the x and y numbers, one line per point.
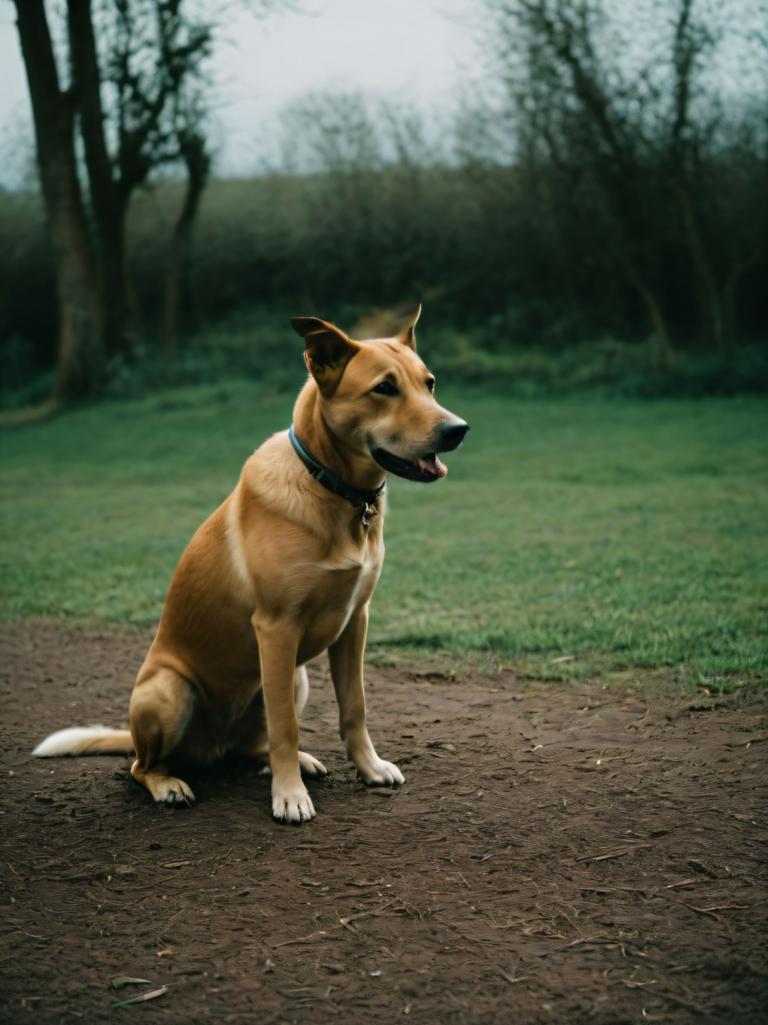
pixel 559 854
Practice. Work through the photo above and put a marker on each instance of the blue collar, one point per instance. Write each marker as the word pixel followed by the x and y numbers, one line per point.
pixel 357 496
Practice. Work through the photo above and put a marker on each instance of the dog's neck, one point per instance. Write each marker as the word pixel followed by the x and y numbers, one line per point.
pixel 355 470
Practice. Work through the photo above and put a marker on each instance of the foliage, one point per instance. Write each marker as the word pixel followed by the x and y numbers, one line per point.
pixel 606 533
pixel 259 245
pixel 251 344
pixel 646 175
pixel 609 184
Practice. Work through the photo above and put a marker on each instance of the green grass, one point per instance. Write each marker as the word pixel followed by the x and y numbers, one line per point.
pixel 614 534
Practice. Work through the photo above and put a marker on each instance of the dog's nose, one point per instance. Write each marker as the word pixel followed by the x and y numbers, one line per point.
pixel 452 435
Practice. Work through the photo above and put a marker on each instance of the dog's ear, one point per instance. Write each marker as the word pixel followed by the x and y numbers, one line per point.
pixel 327 351
pixel 408 335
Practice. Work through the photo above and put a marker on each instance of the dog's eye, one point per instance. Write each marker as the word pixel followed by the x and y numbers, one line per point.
pixel 385 388
pixel 430 384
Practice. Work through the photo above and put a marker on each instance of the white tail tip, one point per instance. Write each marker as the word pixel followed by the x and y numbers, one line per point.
pixel 72 741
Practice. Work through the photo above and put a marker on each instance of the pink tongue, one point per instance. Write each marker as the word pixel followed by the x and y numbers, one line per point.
pixel 432 466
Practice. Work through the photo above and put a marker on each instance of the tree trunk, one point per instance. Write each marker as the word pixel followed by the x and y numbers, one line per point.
pixel 197 162
pixel 80 359
pixel 113 278
pixel 109 197
pixel 653 308
pixel 708 291
pixel 738 270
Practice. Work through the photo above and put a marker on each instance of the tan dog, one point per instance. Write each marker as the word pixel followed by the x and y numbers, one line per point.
pixel 282 571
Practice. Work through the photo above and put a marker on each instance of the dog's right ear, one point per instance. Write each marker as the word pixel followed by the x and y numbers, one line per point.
pixel 327 351
pixel 408 335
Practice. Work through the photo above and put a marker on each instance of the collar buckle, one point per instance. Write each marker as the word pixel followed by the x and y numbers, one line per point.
pixel 369 510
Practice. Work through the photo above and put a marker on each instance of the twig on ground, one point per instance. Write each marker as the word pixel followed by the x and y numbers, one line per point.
pixel 615 854
pixel 590 939
pixel 717 907
pixel 310 938
pixel 689 1004
pixel 512 979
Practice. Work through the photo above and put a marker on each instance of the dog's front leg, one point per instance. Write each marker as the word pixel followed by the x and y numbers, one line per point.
pixel 278 645
pixel 346 658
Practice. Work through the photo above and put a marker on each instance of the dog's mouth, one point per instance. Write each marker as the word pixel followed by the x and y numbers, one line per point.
pixel 424 469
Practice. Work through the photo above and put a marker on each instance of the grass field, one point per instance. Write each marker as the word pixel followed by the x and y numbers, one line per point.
pixel 572 537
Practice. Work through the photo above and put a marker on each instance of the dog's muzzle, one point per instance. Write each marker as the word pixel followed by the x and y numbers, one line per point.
pixel 427 467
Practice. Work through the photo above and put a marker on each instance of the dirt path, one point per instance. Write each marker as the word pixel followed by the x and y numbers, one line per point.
pixel 557 855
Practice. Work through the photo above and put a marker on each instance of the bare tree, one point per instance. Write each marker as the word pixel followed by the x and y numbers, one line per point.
pixel 564 97
pixel 131 65
pixel 151 53
pixel 629 141
pixel 697 144
pixel 197 160
pixel 80 358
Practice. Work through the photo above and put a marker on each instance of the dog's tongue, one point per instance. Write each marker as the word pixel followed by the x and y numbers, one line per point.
pixel 432 465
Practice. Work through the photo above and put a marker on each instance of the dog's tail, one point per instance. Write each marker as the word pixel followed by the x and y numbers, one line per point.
pixel 85 740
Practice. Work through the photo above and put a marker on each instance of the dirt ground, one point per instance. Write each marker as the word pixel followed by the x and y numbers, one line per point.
pixel 558 854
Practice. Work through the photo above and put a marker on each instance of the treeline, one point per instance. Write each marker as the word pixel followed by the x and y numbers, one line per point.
pixel 612 180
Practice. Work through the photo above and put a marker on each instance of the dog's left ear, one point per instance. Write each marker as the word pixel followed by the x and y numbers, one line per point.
pixel 327 351
pixel 408 335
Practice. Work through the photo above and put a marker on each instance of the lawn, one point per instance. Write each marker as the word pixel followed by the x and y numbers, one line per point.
pixel 573 537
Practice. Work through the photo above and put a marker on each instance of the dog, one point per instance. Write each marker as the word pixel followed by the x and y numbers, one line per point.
pixel 282 571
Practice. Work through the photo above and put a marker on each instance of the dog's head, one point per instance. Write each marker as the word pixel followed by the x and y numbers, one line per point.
pixel 378 399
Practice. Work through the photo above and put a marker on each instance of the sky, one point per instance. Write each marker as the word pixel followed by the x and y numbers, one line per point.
pixel 423 53
pixel 419 51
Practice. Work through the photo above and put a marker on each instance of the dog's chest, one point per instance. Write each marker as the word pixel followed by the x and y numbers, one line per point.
pixel 343 584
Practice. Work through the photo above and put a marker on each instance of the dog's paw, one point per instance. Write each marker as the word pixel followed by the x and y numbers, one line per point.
pixel 292 804
pixel 378 773
pixel 310 766
pixel 172 791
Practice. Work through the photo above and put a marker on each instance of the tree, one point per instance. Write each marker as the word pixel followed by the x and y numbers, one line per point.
pixel 629 143
pixel 130 98
pixel 194 153
pixel 80 357
pixel 579 141
pixel 151 55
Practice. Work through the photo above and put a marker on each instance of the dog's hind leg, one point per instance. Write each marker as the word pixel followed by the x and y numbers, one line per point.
pixel 161 707
pixel 310 766
pixel 301 688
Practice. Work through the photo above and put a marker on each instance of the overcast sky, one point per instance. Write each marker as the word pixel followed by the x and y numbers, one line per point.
pixel 420 51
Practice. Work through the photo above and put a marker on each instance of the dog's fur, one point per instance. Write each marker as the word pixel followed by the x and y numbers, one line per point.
pixel 283 570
